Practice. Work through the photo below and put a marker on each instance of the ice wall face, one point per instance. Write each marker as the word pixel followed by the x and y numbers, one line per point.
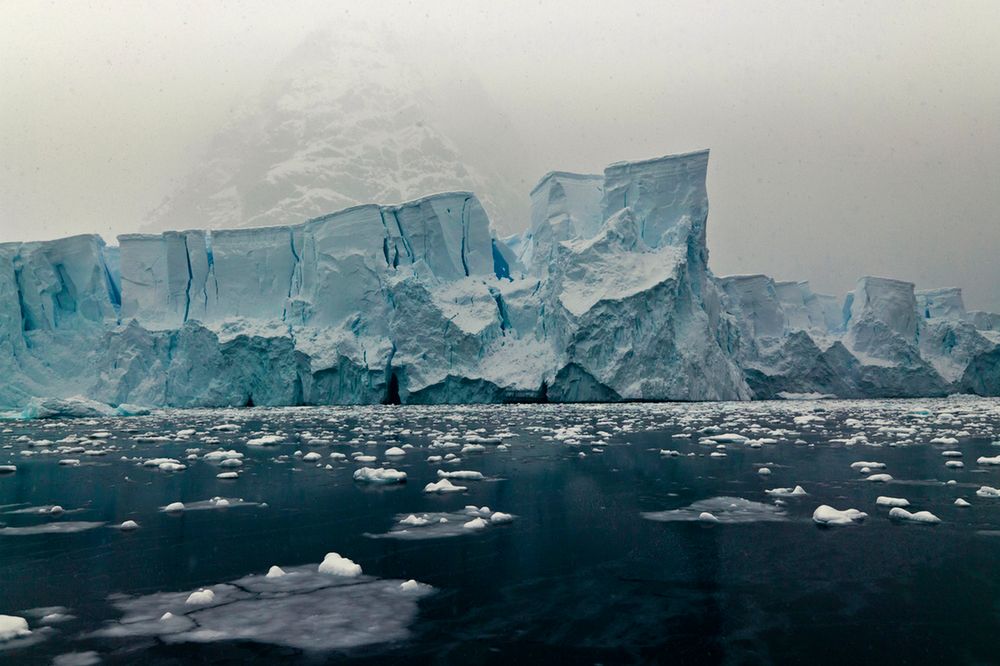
pixel 564 206
pixel 419 303
pixel 56 298
pixel 633 310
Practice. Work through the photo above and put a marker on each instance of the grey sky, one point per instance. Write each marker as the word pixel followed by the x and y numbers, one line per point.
pixel 847 138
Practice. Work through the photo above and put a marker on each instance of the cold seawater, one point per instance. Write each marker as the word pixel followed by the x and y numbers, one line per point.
pixel 596 534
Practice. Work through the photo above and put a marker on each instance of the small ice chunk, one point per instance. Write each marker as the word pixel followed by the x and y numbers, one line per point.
pixel 501 517
pixel 379 475
pixel 128 526
pixel 827 515
pixel 475 524
pixel 395 451
pixel 861 464
pixel 11 627
pixel 669 453
pixel 879 478
pixel 409 586
pixel 951 454
pixel 200 598
pixel 987 460
pixel 787 492
pixel 987 491
pixel 227 475
pixel 414 521
pixel 764 471
pixel 275 572
pixel 707 517
pixel 174 507
pixel 954 464
pixel 336 565
pixel 8 469
pixel 883 500
pixel 918 517
pixel 265 440
pixel 312 456
pixel 443 486
pixel 961 503
pixel 466 475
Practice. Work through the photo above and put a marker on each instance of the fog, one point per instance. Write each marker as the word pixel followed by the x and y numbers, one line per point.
pixel 847 138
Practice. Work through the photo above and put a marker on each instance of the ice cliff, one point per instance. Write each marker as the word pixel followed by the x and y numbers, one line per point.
pixel 606 296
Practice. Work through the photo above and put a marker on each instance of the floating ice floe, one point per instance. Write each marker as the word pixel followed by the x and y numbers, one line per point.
pixel 987 460
pixel 395 452
pixel 312 456
pixel 827 515
pixel 338 565
pixel 266 440
pixel 962 503
pixel 227 475
pixel 879 478
pixel 438 525
pixel 8 469
pixel 12 626
pixel 882 500
pixel 919 517
pixel 669 453
pixel 947 441
pixel 200 598
pixel 379 475
pixel 305 609
pixel 128 526
pixel 797 491
pixel 64 527
pixel 988 491
pixel 214 503
pixel 723 509
pixel 443 486
pixel 275 572
pixel 464 475
pixel 861 464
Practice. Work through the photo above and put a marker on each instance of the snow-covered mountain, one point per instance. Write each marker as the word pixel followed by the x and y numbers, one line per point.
pixel 345 120
pixel 610 298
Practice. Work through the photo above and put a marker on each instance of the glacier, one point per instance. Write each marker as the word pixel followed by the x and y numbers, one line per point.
pixel 607 296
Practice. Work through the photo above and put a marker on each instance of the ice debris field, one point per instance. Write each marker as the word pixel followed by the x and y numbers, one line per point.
pixel 361 529
pixel 606 296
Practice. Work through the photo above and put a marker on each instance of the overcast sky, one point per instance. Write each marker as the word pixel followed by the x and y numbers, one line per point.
pixel 847 138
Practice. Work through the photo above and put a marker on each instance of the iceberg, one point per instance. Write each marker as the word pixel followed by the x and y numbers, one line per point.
pixel 607 296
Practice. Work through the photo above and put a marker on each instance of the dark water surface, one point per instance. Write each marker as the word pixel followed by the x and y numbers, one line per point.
pixel 579 576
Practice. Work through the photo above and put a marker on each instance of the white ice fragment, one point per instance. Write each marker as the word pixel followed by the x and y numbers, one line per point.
pixel 764 471
pixel 394 451
pixel 961 503
pixel 501 517
pixel 827 515
pixel 265 440
pixel 988 491
pixel 466 475
pixel 200 598
pixel 475 524
pixel 379 475
pixel 861 464
pixel 174 507
pixel 275 572
pixel 918 517
pixel 128 526
pixel 883 500
pixel 409 586
pixel 787 492
pixel 227 475
pixel 707 517
pixel 879 478
pixel 443 486
pixel 334 564
pixel 11 627
pixel 312 456
pixel 986 460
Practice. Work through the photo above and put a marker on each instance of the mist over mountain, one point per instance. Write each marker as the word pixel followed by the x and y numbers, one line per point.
pixel 346 119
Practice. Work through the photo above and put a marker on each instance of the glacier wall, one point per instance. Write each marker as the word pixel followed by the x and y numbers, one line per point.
pixel 607 295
